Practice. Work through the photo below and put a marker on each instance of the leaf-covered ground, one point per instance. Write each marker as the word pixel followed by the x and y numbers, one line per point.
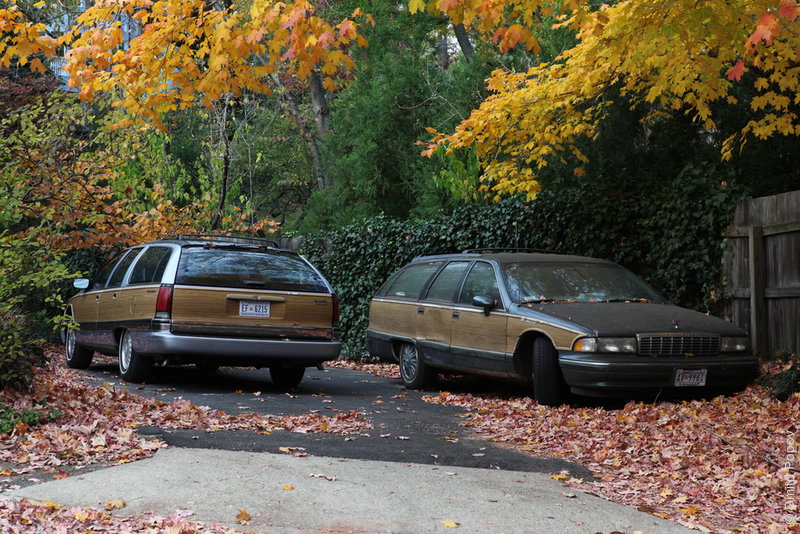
pixel 728 464
pixel 97 425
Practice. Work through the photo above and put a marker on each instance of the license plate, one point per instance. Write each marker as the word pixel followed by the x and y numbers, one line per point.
pixel 249 308
pixel 690 377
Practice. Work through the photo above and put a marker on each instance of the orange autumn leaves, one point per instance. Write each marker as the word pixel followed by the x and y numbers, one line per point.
pixel 193 52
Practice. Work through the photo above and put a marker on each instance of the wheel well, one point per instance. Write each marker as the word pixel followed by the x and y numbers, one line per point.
pixel 523 360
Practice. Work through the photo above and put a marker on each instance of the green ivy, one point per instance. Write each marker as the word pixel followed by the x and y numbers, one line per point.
pixel 672 237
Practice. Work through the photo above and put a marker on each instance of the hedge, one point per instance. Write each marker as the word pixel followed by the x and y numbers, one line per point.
pixel 671 237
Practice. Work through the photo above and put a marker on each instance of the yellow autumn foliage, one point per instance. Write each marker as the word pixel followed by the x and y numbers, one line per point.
pixel 682 56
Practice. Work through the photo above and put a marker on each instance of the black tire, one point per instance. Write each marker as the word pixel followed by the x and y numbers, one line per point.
pixel 549 387
pixel 287 376
pixel 133 367
pixel 77 357
pixel 414 372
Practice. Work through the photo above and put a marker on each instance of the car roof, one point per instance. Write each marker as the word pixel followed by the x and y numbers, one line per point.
pixel 508 256
pixel 221 240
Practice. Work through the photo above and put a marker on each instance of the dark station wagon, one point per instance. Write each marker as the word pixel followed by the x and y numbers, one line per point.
pixel 564 324
pixel 208 300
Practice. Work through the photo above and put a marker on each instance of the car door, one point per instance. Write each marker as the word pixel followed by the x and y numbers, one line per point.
pixel 478 339
pixel 113 307
pixel 435 316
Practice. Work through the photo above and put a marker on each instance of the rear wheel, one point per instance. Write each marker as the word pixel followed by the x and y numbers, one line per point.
pixel 549 387
pixel 133 367
pixel 287 376
pixel 77 357
pixel 414 372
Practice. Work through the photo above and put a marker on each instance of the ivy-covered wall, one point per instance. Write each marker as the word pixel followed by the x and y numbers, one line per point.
pixel 672 238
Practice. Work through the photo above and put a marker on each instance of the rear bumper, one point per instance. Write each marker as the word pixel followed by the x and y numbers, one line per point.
pixel 164 343
pixel 601 374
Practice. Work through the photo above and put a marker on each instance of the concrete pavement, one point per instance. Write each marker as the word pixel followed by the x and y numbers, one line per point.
pixel 284 494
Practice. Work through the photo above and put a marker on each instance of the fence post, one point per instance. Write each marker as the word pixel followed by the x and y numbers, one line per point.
pixel 758 331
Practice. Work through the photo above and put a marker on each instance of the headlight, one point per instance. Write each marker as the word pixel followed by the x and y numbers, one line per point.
pixel 734 344
pixel 605 344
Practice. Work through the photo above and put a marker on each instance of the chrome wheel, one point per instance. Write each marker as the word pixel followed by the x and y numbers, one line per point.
pixel 414 372
pixel 77 357
pixel 132 366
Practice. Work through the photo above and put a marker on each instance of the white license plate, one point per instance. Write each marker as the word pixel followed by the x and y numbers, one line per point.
pixel 690 377
pixel 250 308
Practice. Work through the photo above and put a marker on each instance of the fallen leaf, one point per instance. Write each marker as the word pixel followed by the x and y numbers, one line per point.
pixel 288 488
pixel 242 517
pixel 114 504
pixel 451 524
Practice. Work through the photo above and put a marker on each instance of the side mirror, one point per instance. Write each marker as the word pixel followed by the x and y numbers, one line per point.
pixel 487 303
pixel 81 283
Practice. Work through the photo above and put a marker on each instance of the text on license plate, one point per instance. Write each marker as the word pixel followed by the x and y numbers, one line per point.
pixel 690 377
pixel 249 308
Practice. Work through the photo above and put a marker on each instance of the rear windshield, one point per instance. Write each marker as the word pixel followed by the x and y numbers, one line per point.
pixel 237 268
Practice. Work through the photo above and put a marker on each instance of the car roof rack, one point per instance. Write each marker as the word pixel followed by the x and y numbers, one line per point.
pixel 495 250
pixel 239 240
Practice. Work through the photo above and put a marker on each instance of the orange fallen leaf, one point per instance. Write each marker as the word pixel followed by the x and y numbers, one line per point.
pixel 114 504
pixel 242 517
pixel 451 524
pixel 560 476
pixel 288 488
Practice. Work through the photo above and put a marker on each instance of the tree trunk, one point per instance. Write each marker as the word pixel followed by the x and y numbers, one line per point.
pixel 290 101
pixel 463 40
pixel 319 103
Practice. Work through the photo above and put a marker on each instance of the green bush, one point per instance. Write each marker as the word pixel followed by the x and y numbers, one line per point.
pixel 781 374
pixel 18 352
pixel 672 237
pixel 10 418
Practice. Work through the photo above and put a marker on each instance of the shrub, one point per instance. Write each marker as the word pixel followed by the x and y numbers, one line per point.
pixel 672 240
pixel 18 352
pixel 780 373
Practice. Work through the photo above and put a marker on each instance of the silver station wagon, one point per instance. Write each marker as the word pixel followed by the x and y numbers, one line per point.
pixel 208 300
pixel 564 324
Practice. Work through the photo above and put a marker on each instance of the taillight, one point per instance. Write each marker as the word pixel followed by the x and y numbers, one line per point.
pixel 164 302
pixel 335 317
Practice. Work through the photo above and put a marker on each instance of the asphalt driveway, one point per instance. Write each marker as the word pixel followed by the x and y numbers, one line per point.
pixel 406 428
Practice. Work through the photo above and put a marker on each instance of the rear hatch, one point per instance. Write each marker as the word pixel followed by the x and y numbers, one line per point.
pixel 250 292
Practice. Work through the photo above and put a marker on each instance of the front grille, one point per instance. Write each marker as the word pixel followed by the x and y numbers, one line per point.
pixel 679 345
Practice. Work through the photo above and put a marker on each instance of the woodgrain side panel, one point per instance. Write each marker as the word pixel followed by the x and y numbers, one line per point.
pixel 561 337
pixel 393 317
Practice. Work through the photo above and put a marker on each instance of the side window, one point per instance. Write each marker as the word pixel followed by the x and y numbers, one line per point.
pixel 446 283
pixel 101 279
pixel 481 282
pixel 150 266
pixel 122 268
pixel 411 280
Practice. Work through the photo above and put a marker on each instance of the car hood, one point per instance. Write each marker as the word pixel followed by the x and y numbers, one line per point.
pixel 629 318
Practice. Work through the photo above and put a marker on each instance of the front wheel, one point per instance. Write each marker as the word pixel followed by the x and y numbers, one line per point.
pixel 549 387
pixel 77 357
pixel 414 372
pixel 133 367
pixel 287 376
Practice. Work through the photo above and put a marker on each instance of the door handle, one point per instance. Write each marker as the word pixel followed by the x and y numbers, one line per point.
pixel 456 315
pixel 420 311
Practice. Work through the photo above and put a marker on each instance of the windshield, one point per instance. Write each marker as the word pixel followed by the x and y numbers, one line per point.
pixel 575 282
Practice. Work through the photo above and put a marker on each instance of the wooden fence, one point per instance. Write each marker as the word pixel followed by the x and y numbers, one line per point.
pixel 762 270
